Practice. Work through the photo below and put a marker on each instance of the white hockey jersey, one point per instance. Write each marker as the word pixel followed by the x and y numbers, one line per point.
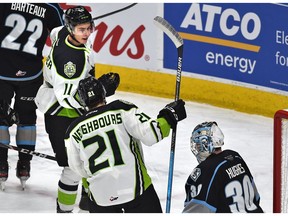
pixel 104 146
pixel 65 66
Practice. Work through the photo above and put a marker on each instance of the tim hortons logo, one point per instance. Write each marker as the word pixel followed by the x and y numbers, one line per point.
pixel 114 36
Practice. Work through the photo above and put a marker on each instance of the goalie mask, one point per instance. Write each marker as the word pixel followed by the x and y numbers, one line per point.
pixel 75 16
pixel 205 138
pixel 91 92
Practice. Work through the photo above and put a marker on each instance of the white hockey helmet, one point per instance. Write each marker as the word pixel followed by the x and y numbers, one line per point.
pixel 205 138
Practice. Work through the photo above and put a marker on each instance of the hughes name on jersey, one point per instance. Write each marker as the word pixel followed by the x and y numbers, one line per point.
pixel 104 147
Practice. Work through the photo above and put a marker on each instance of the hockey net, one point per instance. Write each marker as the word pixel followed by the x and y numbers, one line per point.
pixel 280 163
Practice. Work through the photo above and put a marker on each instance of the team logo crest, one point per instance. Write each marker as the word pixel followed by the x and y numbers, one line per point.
pixel 195 174
pixel 70 69
pixel 21 73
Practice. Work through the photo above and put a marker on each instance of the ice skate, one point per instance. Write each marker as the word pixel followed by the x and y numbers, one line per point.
pixel 3 174
pixel 23 172
pixel 59 210
pixel 84 202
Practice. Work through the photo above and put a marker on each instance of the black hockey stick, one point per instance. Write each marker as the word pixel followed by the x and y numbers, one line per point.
pixel 26 151
pixel 113 12
pixel 168 29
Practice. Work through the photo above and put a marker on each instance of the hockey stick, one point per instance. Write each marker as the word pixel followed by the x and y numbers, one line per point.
pixel 168 29
pixel 26 151
pixel 116 11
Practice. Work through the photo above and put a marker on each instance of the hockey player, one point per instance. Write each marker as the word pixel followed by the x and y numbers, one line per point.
pixel 67 63
pixel 24 30
pixel 104 146
pixel 222 182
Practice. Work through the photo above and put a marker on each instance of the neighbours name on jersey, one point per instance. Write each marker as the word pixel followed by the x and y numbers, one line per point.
pixel 101 122
pixel 29 8
pixel 235 171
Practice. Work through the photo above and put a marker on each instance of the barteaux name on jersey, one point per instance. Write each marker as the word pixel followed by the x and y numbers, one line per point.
pixel 29 8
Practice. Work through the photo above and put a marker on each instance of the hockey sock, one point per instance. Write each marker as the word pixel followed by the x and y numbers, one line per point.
pixel 26 138
pixel 67 189
pixel 5 139
pixel 85 185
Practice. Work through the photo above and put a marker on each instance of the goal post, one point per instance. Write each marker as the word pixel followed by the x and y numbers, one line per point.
pixel 280 162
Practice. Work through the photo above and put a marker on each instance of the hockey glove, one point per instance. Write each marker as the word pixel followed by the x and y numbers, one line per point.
pixel 173 112
pixel 8 116
pixel 110 81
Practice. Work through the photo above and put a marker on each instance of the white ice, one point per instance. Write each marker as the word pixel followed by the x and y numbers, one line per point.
pixel 250 135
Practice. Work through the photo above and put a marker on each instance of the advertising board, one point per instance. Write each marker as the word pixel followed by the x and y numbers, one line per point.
pixel 244 42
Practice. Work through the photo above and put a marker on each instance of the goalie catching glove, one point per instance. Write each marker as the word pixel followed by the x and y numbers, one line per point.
pixel 110 81
pixel 173 113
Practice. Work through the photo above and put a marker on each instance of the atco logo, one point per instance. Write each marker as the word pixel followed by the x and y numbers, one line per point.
pixel 229 20
pixel 134 42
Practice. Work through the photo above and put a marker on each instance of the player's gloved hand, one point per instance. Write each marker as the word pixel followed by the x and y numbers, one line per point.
pixel 110 81
pixel 8 116
pixel 173 112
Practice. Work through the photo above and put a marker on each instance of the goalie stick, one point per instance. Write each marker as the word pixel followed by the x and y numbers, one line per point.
pixel 27 151
pixel 168 29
